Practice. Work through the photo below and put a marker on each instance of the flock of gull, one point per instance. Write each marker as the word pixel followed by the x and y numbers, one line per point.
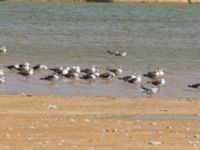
pixel 156 77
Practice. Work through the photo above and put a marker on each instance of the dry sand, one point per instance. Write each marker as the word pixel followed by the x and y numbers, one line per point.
pixel 50 122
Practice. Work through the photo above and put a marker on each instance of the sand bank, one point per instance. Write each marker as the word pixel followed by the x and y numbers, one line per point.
pixel 52 122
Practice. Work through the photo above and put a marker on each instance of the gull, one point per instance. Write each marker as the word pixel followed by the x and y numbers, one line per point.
pixel 149 91
pixel 116 71
pixel 24 67
pixel 117 53
pixel 40 67
pixel 129 77
pixel 107 75
pixel 136 79
pixel 2 72
pixel 2 80
pixel 11 67
pixel 158 82
pixel 73 75
pixel 52 77
pixel 75 69
pixel 90 71
pixel 155 74
pixel 64 71
pixel 196 86
pixel 3 49
pixel 88 76
pixel 56 70
pixel 26 72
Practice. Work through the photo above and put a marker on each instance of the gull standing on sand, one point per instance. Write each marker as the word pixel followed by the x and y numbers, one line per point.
pixel 3 49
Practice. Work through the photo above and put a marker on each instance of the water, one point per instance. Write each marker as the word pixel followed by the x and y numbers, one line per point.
pixel 154 36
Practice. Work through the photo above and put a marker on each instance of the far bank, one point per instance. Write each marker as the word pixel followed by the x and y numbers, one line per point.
pixel 110 1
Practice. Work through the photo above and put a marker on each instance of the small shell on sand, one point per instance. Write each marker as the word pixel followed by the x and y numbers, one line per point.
pixel 154 142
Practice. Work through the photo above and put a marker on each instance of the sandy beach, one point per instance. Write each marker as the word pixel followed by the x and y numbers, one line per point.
pixel 54 122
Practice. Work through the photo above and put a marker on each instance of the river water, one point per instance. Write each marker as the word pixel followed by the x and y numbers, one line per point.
pixel 154 36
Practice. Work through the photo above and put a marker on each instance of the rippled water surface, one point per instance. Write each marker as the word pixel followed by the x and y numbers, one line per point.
pixel 154 35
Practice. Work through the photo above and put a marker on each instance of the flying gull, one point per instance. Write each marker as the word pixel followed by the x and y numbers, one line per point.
pixel 117 53
pixel 195 86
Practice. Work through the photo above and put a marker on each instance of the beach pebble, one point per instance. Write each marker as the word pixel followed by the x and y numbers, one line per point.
pixel 154 142
pixel 190 142
pixel 114 130
pixel 153 123
pixel 197 136
pixel 7 135
pixel 72 120
pixel 51 106
pixel 187 129
pixel 164 109
pixel 105 130
pixel 86 120
pixel 169 127
pixel 61 142
pixel 32 127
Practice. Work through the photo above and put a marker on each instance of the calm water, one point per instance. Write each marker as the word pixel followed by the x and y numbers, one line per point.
pixel 155 36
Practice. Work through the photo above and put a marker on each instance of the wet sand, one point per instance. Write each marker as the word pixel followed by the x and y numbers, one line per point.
pixel 54 122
